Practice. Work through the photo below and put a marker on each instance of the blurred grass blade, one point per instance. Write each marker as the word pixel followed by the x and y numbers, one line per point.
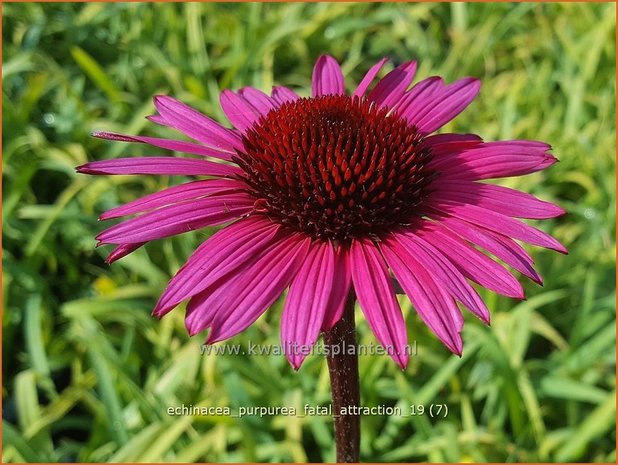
pixel 95 72
pixel 599 422
pixel 12 438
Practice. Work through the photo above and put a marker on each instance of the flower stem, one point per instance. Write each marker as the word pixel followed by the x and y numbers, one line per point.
pixel 345 384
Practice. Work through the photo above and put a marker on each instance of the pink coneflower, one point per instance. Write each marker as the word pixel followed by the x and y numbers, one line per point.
pixel 331 193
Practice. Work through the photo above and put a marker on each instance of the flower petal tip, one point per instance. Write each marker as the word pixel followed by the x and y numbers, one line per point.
pixel 402 361
pixel 476 82
pixel 548 160
pixel 156 315
pixel 472 82
pixel 518 292
pixel 327 57
pixel 296 363
pixel 191 327
pixel 156 311
pixel 159 99
pixel 537 278
pixel 213 336
pixel 558 247
pixel 405 67
pixel 193 331
pixel 457 349
pixel 409 65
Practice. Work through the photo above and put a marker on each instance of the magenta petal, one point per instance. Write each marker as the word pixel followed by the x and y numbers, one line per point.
pixel 171 166
pixel 432 303
pixel 283 95
pixel 499 199
pixel 307 302
pixel 506 249
pixel 369 77
pixel 158 119
pixel 493 160
pixel 443 271
pixel 327 77
pixel 445 105
pixel 473 264
pixel 241 300
pixel 246 107
pixel 169 144
pixel 419 97
pixel 240 112
pixel 258 99
pixel 179 218
pixel 198 317
pixel 391 87
pixel 227 250
pixel 499 223
pixel 196 125
pixel 376 296
pixel 122 251
pixel 342 283
pixel 449 143
pixel 171 195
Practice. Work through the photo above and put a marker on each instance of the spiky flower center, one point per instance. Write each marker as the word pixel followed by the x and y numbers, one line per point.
pixel 335 167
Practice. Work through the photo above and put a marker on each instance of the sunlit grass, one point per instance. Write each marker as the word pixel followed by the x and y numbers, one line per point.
pixel 88 374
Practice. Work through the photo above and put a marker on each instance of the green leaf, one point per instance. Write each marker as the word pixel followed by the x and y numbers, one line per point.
pixel 94 71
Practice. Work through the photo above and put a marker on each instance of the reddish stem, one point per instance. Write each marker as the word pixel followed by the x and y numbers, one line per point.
pixel 345 383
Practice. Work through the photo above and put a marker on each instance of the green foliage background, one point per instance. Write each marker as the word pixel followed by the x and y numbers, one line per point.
pixel 88 374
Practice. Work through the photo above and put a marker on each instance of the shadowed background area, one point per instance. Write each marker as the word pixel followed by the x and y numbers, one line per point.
pixel 88 375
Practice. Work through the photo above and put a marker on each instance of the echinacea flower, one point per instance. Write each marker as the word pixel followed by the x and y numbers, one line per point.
pixel 333 192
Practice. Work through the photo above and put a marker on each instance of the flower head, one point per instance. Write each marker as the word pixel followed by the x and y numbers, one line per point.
pixel 335 192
